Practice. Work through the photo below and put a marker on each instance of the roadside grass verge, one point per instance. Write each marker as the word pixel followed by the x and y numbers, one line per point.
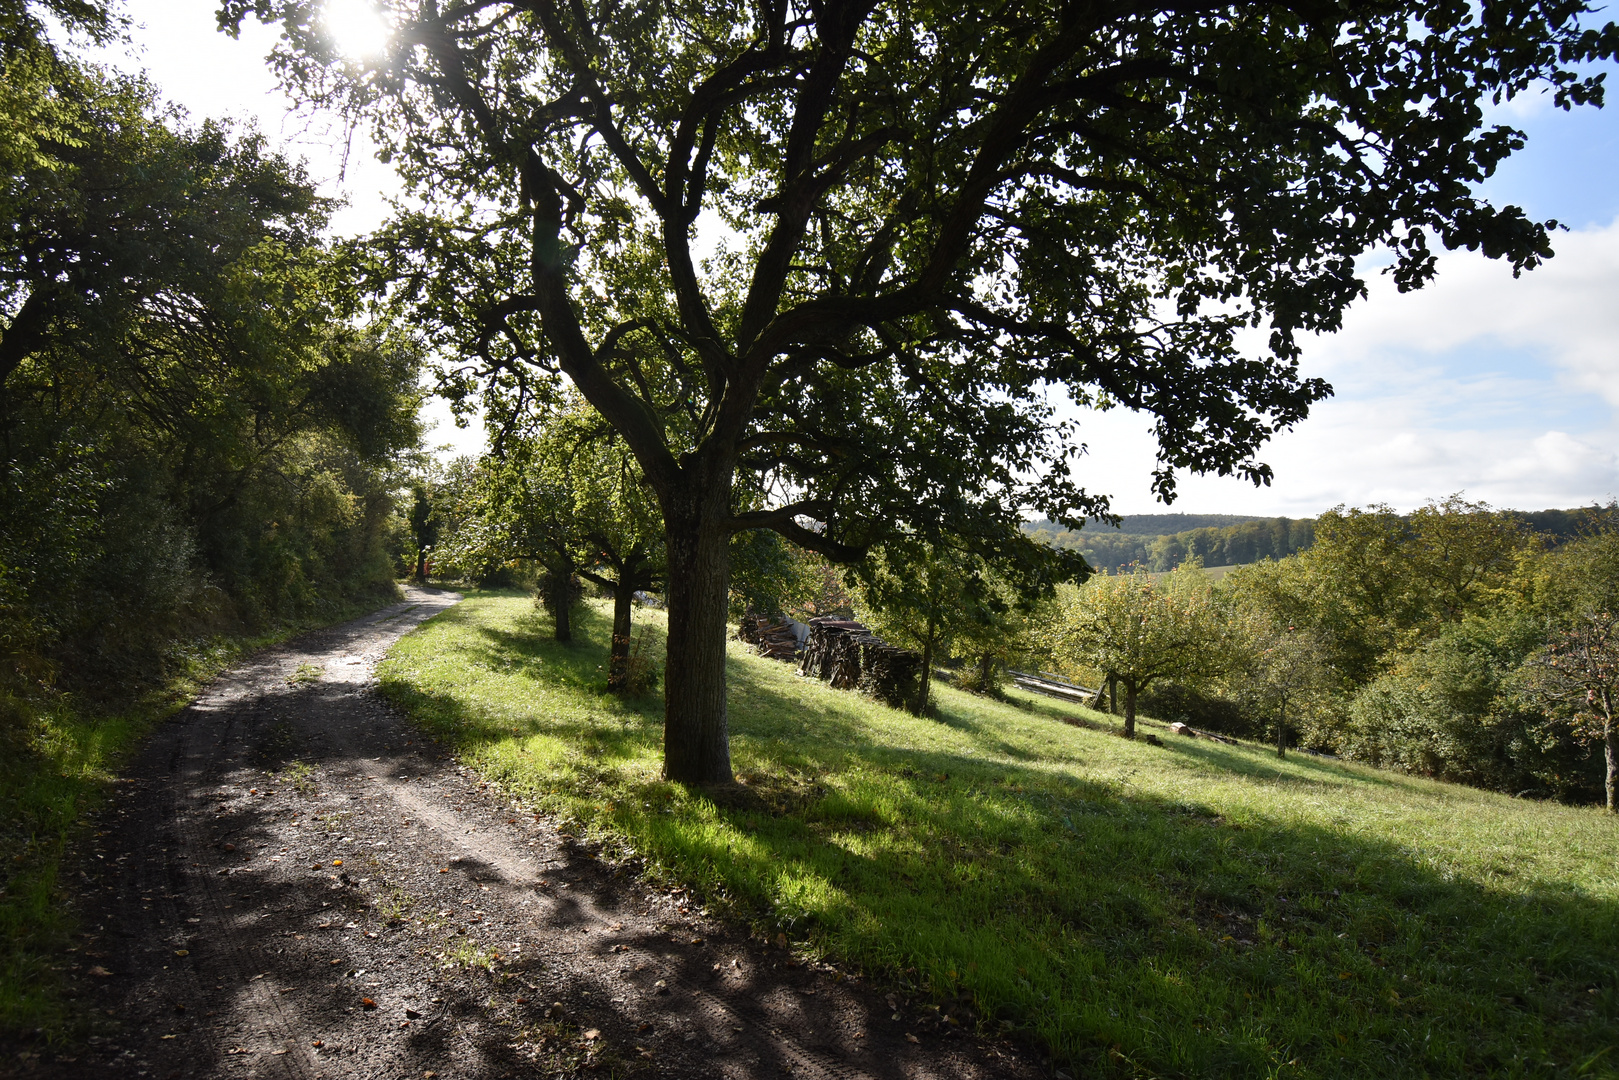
pixel 58 757
pixel 1192 909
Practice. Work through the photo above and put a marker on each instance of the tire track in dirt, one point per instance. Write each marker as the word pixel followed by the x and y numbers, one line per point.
pixel 293 883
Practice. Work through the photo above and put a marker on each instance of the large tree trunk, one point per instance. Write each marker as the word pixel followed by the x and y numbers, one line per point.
pixel 1129 709
pixel 618 657
pixel 696 740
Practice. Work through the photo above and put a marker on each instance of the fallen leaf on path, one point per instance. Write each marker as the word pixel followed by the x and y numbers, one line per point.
pixel 182 952
pixel 412 1014
pixel 100 972
pixel 661 986
pixel 592 1035
pixel 167 1036
pixel 912 1038
pixel 368 1003
pixel 337 862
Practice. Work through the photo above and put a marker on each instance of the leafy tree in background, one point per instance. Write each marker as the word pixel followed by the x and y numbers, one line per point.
pixel 1579 673
pixel 932 597
pixel 771 575
pixel 564 493
pixel 620 529
pixel 424 524
pixel 1283 670
pixel 1377 583
pixel 1138 630
pixel 923 219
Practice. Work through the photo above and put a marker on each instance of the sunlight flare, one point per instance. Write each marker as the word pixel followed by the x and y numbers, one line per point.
pixel 357 28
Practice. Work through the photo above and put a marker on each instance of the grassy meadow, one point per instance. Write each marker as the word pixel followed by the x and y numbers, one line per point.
pixel 1190 910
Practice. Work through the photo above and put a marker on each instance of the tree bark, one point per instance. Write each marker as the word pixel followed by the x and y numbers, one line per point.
pixel 1611 746
pixel 1281 732
pixel 922 691
pixel 696 740
pixel 1129 709
pixel 618 656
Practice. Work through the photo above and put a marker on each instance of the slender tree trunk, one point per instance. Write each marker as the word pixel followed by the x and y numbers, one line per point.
pixel 696 739
pixel 421 564
pixel 1611 746
pixel 921 707
pixel 1129 710
pixel 1281 732
pixel 618 657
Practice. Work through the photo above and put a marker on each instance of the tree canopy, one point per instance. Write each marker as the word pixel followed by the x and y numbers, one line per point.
pixel 194 431
pixel 826 267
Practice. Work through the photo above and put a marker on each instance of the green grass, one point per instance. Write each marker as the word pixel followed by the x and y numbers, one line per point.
pixel 58 757
pixel 1194 909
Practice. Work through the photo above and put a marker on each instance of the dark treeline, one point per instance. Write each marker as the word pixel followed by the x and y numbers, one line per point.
pixel 195 437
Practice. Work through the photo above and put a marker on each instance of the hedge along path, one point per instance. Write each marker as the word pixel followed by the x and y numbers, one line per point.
pixel 292 883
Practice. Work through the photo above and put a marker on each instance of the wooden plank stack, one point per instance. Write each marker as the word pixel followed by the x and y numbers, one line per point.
pixel 1054 686
pixel 845 654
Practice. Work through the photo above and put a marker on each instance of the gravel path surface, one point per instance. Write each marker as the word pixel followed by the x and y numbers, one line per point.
pixel 291 884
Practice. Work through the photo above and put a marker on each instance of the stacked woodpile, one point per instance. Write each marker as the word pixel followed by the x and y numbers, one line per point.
pixel 770 636
pixel 850 657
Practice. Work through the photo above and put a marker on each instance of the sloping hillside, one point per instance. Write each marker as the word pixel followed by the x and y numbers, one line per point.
pixel 1185 909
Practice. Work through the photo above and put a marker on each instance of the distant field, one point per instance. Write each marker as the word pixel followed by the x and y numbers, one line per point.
pixel 1213 573
pixel 1189 910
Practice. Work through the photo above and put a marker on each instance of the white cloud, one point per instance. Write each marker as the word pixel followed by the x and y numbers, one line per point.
pixel 1502 387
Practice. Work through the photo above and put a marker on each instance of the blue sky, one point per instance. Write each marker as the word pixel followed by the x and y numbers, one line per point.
pixel 1505 389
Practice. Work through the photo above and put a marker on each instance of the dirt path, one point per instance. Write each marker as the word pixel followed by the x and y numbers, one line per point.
pixel 290 882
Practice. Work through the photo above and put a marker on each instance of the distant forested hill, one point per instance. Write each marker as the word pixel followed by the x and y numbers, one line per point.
pixel 1163 541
